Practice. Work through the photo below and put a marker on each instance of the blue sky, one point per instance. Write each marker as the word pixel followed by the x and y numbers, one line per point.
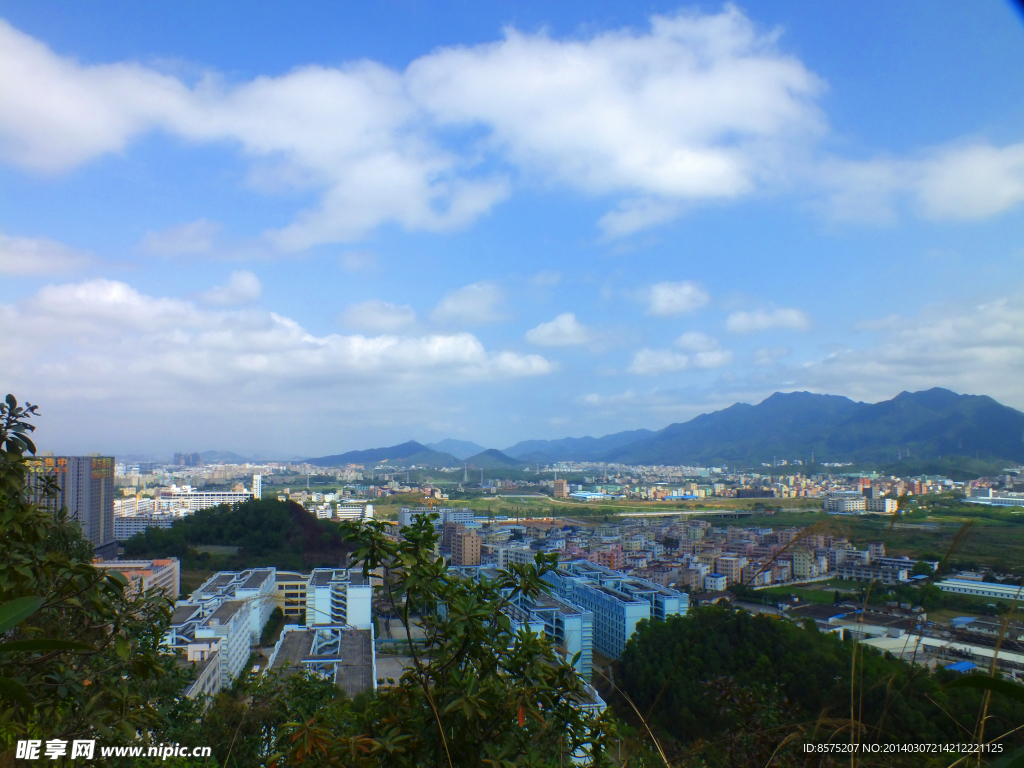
pixel 310 227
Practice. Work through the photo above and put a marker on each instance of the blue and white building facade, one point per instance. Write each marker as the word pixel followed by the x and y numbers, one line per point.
pixel 616 601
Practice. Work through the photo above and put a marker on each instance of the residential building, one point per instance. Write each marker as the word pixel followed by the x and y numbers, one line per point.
pixel 448 533
pixel 339 596
pixel 617 601
pixel 228 626
pixel 334 651
pixel 881 505
pixel 860 571
pixel 256 587
pixel 561 489
pixel 731 568
pixel 466 549
pixel 349 511
pixel 290 595
pixel 85 485
pixel 846 506
pixel 715 582
pixel 144 575
pixel 126 526
pixel 187 497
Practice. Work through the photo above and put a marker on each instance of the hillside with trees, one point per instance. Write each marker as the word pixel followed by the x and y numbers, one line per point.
pixel 266 531
pixel 725 687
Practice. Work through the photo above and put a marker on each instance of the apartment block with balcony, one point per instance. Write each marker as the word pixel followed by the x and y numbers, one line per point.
pixel 339 596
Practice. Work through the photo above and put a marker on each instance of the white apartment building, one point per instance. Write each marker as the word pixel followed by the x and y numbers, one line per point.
pixel 846 503
pixel 882 506
pixel 339 596
pixel 352 511
pixel 256 587
pixel 187 497
pixel 228 626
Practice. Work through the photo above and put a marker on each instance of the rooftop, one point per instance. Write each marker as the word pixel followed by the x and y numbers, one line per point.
pixel 183 613
pixel 227 610
pixel 258 577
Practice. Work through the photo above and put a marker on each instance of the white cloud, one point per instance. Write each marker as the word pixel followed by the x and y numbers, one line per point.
pixel 696 342
pixel 696 107
pixel 358 261
pixel 193 238
pixel 767 356
pixel 103 340
pixel 653 362
pixel 969 347
pixel 701 351
pixel 564 331
pixel 242 287
pixel 684 110
pixel 380 316
pixel 681 111
pixel 666 299
pixel 952 182
pixel 38 256
pixel 972 182
pixel 634 215
pixel 767 319
pixel 476 303
pixel 546 279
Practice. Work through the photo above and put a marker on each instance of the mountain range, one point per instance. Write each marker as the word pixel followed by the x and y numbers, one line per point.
pixel 460 449
pixel 794 425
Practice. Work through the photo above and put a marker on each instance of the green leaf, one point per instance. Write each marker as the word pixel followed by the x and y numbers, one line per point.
pixel 44 644
pixel 122 647
pixel 15 691
pixel 14 612
pixel 988 683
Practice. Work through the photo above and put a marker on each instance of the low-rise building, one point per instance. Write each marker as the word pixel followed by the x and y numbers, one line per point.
pixel 859 571
pixel 715 582
pixel 982 589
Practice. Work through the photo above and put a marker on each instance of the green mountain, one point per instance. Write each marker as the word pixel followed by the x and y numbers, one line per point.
pixel 492 458
pixel 574 448
pixel 398 455
pixel 460 449
pixel 796 425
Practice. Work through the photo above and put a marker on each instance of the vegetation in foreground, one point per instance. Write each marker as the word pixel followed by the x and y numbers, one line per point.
pixel 725 687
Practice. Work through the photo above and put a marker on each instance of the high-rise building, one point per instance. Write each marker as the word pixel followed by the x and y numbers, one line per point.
pixel 448 533
pixel 466 549
pixel 86 487
pixel 561 489
pixel 257 487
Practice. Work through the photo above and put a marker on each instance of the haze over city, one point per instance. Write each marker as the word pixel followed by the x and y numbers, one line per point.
pixel 306 230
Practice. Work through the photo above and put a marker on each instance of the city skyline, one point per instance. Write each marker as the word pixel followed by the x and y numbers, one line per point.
pixel 328 229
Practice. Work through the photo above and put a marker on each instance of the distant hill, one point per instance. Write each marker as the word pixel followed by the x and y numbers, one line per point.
pixel 460 449
pixel 574 448
pixel 494 459
pixel 402 455
pixel 796 425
